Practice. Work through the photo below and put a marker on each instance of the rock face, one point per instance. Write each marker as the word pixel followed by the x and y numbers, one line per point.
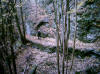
pixel 89 21
pixel 89 36
pixel 35 16
pixel 88 29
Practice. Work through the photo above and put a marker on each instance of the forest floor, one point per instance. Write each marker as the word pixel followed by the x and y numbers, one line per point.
pixel 46 62
pixel 29 57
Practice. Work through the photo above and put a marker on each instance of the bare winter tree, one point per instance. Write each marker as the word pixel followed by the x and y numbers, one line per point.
pixel 57 30
pixel 22 17
pixel 74 34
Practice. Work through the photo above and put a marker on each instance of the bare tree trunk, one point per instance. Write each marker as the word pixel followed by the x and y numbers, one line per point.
pixel 18 23
pixel 11 30
pixel 74 34
pixel 63 57
pixel 58 53
pixel 57 30
pixel 22 20
pixel 12 50
pixel 68 32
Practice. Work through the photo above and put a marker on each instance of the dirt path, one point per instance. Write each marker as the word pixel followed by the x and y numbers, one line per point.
pixel 52 42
